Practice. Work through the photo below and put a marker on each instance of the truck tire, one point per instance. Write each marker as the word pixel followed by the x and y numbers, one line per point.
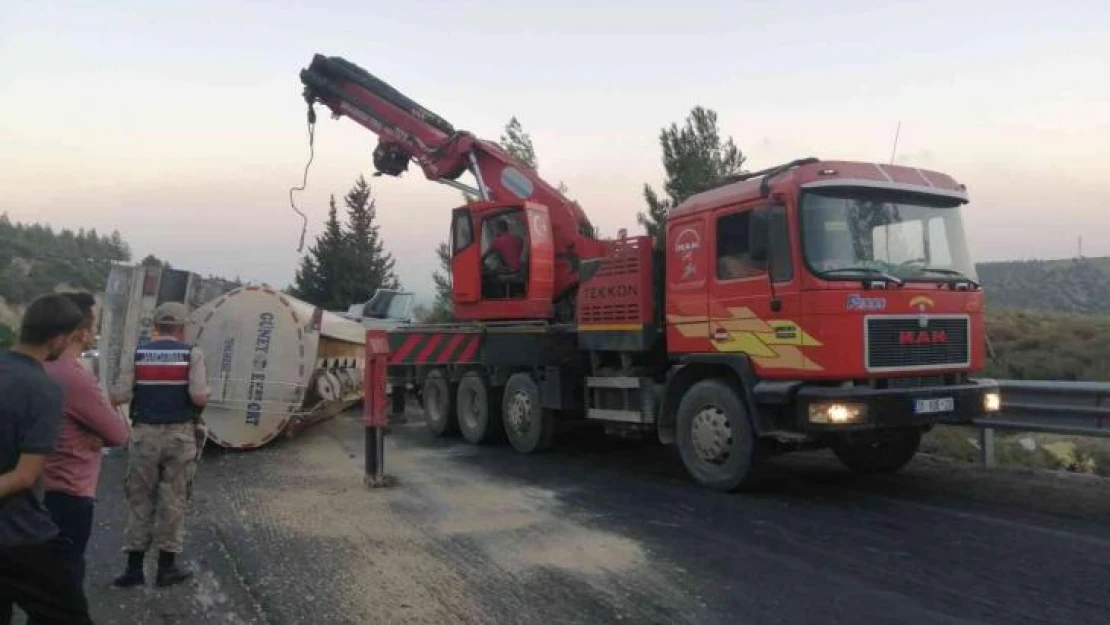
pixel 479 420
pixel 885 452
pixel 529 427
pixel 439 404
pixel 715 437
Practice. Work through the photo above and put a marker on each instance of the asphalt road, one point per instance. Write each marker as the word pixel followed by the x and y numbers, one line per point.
pixel 611 532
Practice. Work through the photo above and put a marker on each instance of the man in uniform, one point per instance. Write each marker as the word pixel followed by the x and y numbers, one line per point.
pixel 167 389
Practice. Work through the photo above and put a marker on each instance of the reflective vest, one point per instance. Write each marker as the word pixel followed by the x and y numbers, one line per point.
pixel 161 394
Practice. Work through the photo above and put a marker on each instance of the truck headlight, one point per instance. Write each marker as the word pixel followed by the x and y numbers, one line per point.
pixel 837 413
pixel 992 401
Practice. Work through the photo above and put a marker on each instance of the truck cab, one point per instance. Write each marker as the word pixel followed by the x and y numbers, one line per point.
pixel 843 299
pixel 385 310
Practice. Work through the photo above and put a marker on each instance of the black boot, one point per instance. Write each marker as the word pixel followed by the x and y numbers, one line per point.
pixel 168 571
pixel 133 576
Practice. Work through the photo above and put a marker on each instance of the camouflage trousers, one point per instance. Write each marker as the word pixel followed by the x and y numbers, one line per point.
pixel 162 460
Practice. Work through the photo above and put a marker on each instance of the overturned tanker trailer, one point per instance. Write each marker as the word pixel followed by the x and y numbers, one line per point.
pixel 275 364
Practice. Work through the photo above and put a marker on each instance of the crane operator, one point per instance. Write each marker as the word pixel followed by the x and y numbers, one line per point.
pixel 507 247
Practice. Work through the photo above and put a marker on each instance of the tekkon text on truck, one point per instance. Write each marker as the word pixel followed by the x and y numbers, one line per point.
pixel 817 303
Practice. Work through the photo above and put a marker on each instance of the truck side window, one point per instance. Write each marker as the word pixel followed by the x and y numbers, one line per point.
pixel 782 262
pixel 461 234
pixel 733 261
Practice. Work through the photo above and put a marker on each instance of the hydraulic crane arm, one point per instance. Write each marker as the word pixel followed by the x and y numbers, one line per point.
pixel 408 131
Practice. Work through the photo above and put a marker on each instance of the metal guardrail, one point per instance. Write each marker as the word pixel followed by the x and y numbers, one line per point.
pixel 1050 406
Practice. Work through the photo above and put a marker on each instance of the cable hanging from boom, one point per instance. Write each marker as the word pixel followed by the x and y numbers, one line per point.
pixel 304 181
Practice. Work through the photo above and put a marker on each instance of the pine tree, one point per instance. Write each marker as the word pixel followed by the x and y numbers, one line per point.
pixel 519 144
pixel 373 266
pixel 441 308
pixel 695 158
pixel 653 221
pixel 117 248
pixel 317 279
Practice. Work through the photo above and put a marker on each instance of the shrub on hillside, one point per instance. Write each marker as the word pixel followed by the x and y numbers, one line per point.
pixel 1042 346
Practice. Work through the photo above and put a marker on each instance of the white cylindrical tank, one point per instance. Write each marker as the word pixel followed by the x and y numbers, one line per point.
pixel 273 363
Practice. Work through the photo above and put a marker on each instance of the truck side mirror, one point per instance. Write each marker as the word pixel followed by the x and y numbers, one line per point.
pixel 759 234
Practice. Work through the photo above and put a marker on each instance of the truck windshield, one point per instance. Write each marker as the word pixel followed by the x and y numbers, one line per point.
pixel 388 305
pixel 857 233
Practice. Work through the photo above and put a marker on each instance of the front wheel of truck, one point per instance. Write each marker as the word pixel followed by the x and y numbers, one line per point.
pixel 877 452
pixel 715 437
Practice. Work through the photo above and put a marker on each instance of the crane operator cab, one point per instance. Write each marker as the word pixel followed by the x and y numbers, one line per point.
pixel 504 256
pixel 502 261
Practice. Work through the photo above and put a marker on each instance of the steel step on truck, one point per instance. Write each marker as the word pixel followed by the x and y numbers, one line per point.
pixel 813 304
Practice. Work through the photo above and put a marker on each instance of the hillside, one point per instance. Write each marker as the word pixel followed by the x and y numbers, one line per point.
pixel 34 259
pixel 1045 346
pixel 1074 285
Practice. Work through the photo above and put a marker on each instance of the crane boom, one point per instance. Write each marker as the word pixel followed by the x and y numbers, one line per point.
pixel 407 131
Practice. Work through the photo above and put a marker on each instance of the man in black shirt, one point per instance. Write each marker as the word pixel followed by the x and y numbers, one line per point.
pixel 33 574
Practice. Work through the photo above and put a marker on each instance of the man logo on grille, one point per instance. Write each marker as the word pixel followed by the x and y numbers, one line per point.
pixel 936 337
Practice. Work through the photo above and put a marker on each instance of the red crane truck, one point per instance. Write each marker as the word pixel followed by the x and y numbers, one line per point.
pixel 812 304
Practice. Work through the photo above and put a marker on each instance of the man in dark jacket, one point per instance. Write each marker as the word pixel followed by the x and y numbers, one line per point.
pixel 33 572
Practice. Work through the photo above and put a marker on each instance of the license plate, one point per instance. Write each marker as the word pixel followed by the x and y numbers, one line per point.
pixel 934 405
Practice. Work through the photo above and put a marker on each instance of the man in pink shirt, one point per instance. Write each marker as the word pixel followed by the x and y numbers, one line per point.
pixel 88 425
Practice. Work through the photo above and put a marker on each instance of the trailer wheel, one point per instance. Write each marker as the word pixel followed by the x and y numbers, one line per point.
pixel 439 404
pixel 885 452
pixel 479 421
pixel 715 437
pixel 529 427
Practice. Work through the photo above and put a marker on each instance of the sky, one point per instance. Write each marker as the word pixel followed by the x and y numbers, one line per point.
pixel 181 124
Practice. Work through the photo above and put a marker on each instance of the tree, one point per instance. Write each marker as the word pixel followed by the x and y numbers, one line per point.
pixel 695 158
pixel 317 279
pixel 34 259
pixel 519 144
pixel 440 311
pixel 346 265
pixel 373 265
pixel 150 260
pixel 118 248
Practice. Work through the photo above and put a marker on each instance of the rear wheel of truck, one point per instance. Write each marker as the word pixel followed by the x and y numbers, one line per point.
pixel 877 452
pixel 715 437
pixel 439 404
pixel 479 420
pixel 528 426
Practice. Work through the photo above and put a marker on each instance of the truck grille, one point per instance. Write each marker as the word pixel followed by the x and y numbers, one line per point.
pixel 902 343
